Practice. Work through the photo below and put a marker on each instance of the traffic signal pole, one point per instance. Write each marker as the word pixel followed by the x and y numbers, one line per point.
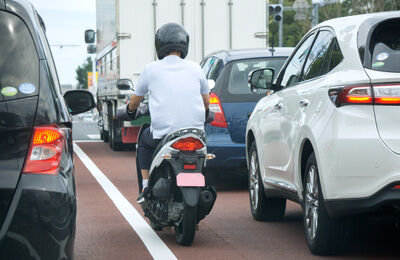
pixel 277 11
pixel 280 43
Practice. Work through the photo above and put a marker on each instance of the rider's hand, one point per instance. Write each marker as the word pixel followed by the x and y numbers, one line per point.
pixel 134 102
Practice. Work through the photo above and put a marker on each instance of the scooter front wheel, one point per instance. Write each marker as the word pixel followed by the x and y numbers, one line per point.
pixel 185 229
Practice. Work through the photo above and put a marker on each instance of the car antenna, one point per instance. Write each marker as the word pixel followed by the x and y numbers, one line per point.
pixel 272 50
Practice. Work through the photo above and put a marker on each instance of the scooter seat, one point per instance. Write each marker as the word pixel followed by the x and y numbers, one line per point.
pixel 181 132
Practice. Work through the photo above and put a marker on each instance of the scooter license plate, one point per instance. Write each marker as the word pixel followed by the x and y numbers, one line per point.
pixel 190 180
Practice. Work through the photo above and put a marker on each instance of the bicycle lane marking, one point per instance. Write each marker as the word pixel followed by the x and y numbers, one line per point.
pixel 156 247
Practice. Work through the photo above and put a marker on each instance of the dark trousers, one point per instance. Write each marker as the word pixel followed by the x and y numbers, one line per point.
pixel 146 147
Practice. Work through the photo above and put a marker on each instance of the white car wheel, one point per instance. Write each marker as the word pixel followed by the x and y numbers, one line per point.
pixel 262 207
pixel 324 235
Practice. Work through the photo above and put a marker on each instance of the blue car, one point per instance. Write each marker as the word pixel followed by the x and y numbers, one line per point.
pixel 232 102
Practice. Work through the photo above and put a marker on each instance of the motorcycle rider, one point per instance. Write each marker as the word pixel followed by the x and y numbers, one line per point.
pixel 178 94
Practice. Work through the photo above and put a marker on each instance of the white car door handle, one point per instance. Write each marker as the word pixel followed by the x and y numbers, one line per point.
pixel 278 106
pixel 304 103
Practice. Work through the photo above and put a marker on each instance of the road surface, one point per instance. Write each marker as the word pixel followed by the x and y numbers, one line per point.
pixel 108 223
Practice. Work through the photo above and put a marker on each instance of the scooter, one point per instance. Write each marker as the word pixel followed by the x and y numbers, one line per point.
pixel 177 194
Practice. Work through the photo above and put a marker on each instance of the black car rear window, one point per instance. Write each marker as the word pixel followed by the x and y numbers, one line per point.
pixel 385 46
pixel 19 61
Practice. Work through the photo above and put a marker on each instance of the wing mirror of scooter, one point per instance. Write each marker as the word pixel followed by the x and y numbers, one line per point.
pixel 124 84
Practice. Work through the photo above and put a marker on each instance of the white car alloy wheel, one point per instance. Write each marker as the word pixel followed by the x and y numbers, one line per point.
pixel 324 234
pixel 253 180
pixel 311 202
pixel 263 208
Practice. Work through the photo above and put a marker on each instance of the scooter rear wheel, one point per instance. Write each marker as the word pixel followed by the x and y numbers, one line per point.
pixel 186 229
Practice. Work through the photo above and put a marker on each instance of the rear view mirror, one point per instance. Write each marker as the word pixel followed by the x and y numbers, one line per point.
pixel 261 79
pixel 90 36
pixel 124 84
pixel 211 84
pixel 91 49
pixel 79 101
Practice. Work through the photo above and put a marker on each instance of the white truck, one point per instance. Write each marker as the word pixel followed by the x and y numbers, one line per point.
pixel 125 44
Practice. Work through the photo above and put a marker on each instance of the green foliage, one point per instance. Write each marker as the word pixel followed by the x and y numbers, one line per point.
pixel 294 30
pixel 82 73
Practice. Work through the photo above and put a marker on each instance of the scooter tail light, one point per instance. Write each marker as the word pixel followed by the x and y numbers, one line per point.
pixel 189 166
pixel 188 144
pixel 216 107
pixel 45 150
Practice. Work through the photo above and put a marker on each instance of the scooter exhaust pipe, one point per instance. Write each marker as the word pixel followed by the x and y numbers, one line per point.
pixel 206 198
pixel 206 202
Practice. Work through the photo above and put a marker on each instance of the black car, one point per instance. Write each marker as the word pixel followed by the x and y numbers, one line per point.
pixel 37 186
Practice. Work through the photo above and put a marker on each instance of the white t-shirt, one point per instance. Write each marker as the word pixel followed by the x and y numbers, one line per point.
pixel 175 87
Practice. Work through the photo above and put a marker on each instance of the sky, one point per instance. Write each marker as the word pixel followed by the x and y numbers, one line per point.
pixel 66 22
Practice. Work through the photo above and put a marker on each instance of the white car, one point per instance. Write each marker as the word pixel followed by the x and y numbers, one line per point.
pixel 328 137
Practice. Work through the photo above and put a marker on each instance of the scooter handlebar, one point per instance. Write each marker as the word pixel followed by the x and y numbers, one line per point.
pixel 124 114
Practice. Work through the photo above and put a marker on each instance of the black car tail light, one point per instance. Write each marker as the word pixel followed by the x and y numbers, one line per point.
pixel 45 150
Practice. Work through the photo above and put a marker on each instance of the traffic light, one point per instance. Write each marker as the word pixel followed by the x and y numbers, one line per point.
pixel 277 11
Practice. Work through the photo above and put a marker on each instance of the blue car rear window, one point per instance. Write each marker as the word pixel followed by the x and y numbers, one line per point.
pixel 238 84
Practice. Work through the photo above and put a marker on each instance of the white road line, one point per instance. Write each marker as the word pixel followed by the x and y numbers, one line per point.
pixel 88 141
pixel 156 247
pixel 94 137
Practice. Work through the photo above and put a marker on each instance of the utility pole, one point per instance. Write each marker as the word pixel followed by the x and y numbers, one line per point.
pixel 314 14
pixel 267 26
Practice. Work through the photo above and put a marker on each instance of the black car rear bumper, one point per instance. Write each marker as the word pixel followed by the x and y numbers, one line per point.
pixel 40 223
pixel 385 197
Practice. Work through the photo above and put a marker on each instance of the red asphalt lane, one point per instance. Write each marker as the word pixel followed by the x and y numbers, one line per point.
pixel 229 232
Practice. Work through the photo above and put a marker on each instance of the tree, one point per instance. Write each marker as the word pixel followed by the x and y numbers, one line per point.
pixel 294 30
pixel 370 6
pixel 82 73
